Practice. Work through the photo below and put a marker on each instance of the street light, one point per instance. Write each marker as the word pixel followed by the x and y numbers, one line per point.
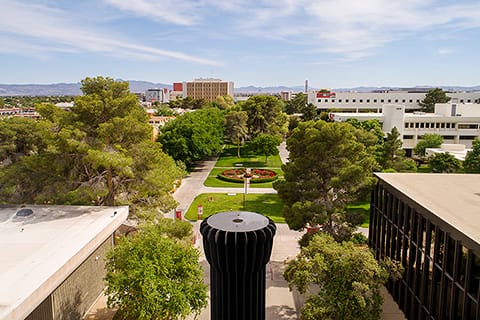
pixel 246 178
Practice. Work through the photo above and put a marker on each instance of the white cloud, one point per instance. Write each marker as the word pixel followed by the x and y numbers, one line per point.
pixel 445 51
pixel 43 28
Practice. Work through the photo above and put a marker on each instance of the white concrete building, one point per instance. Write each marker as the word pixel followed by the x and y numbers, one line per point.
pixel 52 261
pixel 376 101
pixel 457 123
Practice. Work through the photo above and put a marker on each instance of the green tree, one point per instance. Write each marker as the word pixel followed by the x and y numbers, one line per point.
pixel 194 135
pixel 309 112
pixel 342 281
pixel 223 102
pixel 165 111
pixel 266 145
pixel 393 156
pixel 98 153
pixel 429 140
pixel 371 135
pixel 265 115
pixel 472 159
pixel 433 96
pixel 236 130
pixel 444 163
pixel 156 274
pixel 296 104
pixel 328 168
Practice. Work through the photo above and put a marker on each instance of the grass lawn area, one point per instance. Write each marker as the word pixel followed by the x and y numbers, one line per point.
pixel 229 158
pixel 269 205
pixel 213 181
pixel 364 209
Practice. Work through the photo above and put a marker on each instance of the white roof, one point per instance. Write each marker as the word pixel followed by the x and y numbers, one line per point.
pixel 39 251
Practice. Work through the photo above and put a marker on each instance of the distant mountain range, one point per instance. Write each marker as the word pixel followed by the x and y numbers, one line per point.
pixel 73 89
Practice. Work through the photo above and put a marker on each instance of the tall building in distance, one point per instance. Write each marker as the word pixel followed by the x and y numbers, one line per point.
pixel 157 95
pixel 207 89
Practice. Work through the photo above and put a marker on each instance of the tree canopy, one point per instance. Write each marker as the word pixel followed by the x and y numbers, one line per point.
pixel 156 274
pixel 429 140
pixel 98 153
pixel 393 156
pixel 346 279
pixel 296 104
pixel 236 130
pixel 194 135
pixel 328 167
pixel 472 159
pixel 265 115
pixel 266 145
pixel 433 96
pixel 444 163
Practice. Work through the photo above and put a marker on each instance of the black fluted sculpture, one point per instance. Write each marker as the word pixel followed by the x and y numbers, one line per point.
pixel 237 246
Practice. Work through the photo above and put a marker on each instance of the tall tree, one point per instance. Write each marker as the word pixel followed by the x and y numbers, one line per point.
pixel 265 115
pixel 393 155
pixel 472 159
pixel 327 168
pixel 156 274
pixel 236 130
pixel 433 96
pixel 194 135
pixel 348 280
pixel 267 145
pixel 296 104
pixel 429 140
pixel 444 163
pixel 223 102
pixel 99 153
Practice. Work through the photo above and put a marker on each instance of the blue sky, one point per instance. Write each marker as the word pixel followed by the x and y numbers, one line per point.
pixel 334 43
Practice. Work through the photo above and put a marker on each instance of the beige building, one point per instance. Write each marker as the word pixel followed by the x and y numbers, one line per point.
pixel 208 89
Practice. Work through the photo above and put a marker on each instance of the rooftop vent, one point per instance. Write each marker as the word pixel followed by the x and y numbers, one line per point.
pixel 24 212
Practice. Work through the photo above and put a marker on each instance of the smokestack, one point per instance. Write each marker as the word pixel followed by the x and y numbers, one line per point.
pixel 237 246
pixel 306 86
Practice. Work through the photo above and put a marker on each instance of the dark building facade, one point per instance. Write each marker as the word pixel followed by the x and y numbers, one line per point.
pixel 431 223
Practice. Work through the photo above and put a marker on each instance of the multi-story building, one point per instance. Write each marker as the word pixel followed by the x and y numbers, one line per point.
pixel 157 95
pixel 430 223
pixel 457 123
pixel 377 100
pixel 207 89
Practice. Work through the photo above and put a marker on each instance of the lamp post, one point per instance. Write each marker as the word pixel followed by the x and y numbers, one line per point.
pixel 246 178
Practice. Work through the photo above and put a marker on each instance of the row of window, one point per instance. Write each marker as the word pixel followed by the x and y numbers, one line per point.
pixel 431 125
pixel 442 276
pixel 388 100
pixel 410 137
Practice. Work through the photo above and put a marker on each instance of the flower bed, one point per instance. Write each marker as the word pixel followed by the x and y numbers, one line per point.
pixel 257 175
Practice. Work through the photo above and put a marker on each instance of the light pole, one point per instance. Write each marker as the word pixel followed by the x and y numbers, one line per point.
pixel 246 178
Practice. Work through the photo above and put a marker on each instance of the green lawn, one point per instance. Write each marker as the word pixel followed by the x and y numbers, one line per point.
pixel 269 205
pixel 364 209
pixel 228 159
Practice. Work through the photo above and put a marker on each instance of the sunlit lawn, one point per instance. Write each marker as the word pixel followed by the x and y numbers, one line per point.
pixel 248 160
pixel 228 159
pixel 269 205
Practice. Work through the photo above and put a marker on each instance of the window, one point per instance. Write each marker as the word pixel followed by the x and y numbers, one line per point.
pixel 326 100
pixel 361 100
pixel 467 126
pixel 422 125
pixel 407 124
pixel 396 100
pixel 467 137
pixel 468 101
pixel 368 100
pixel 442 125
pixel 418 101
pixel 389 100
pixel 319 100
pixel 403 100
pixel 417 125
pixel 448 125
pixel 427 125
pixel 410 101
pixel 448 137
pixel 461 101
pixel 437 125
pixel 382 101
pixel 374 100
pixel 406 137
pixel 346 100
pixel 353 100
pixel 339 100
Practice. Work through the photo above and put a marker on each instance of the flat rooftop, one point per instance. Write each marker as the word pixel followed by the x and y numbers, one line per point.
pixel 39 251
pixel 454 198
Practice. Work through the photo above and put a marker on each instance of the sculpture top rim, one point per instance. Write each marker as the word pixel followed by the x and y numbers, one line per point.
pixel 238 221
